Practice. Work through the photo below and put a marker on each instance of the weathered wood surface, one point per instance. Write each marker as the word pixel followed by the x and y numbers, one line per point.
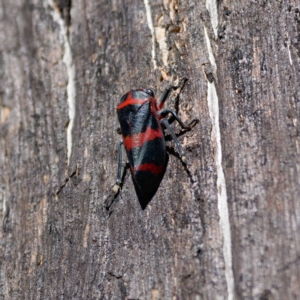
pixel 225 228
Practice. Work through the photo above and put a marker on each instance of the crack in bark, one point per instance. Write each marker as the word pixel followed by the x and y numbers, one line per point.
pixel 68 60
pixel 113 275
pixel 5 213
pixel 151 27
pixel 213 108
pixel 64 7
pixel 62 186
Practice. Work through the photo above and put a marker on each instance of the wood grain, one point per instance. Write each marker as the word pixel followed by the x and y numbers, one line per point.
pixel 240 191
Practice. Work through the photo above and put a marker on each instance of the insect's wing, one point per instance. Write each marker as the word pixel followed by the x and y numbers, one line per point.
pixel 147 183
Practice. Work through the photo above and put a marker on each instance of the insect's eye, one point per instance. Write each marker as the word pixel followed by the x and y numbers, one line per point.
pixel 150 92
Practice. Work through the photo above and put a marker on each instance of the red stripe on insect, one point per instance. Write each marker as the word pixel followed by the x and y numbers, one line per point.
pixel 156 170
pixel 130 101
pixel 138 139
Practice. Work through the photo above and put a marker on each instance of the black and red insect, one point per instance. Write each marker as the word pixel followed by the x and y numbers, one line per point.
pixel 143 122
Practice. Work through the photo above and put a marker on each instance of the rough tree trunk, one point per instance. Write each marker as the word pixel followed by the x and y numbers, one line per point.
pixel 227 227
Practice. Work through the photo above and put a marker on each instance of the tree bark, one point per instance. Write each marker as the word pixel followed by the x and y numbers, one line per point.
pixel 224 227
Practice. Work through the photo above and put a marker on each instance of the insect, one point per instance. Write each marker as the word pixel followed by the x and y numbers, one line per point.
pixel 143 123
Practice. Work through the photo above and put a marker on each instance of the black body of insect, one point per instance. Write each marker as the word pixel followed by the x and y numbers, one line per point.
pixel 143 122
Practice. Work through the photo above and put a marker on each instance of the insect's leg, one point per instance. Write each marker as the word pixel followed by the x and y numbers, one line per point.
pixel 165 112
pixel 168 90
pixel 180 151
pixel 117 185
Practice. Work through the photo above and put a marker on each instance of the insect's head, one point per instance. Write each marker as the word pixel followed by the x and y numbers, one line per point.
pixel 149 92
pixel 142 94
pixel 138 96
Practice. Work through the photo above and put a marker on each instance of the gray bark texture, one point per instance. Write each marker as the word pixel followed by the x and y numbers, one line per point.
pixel 226 226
